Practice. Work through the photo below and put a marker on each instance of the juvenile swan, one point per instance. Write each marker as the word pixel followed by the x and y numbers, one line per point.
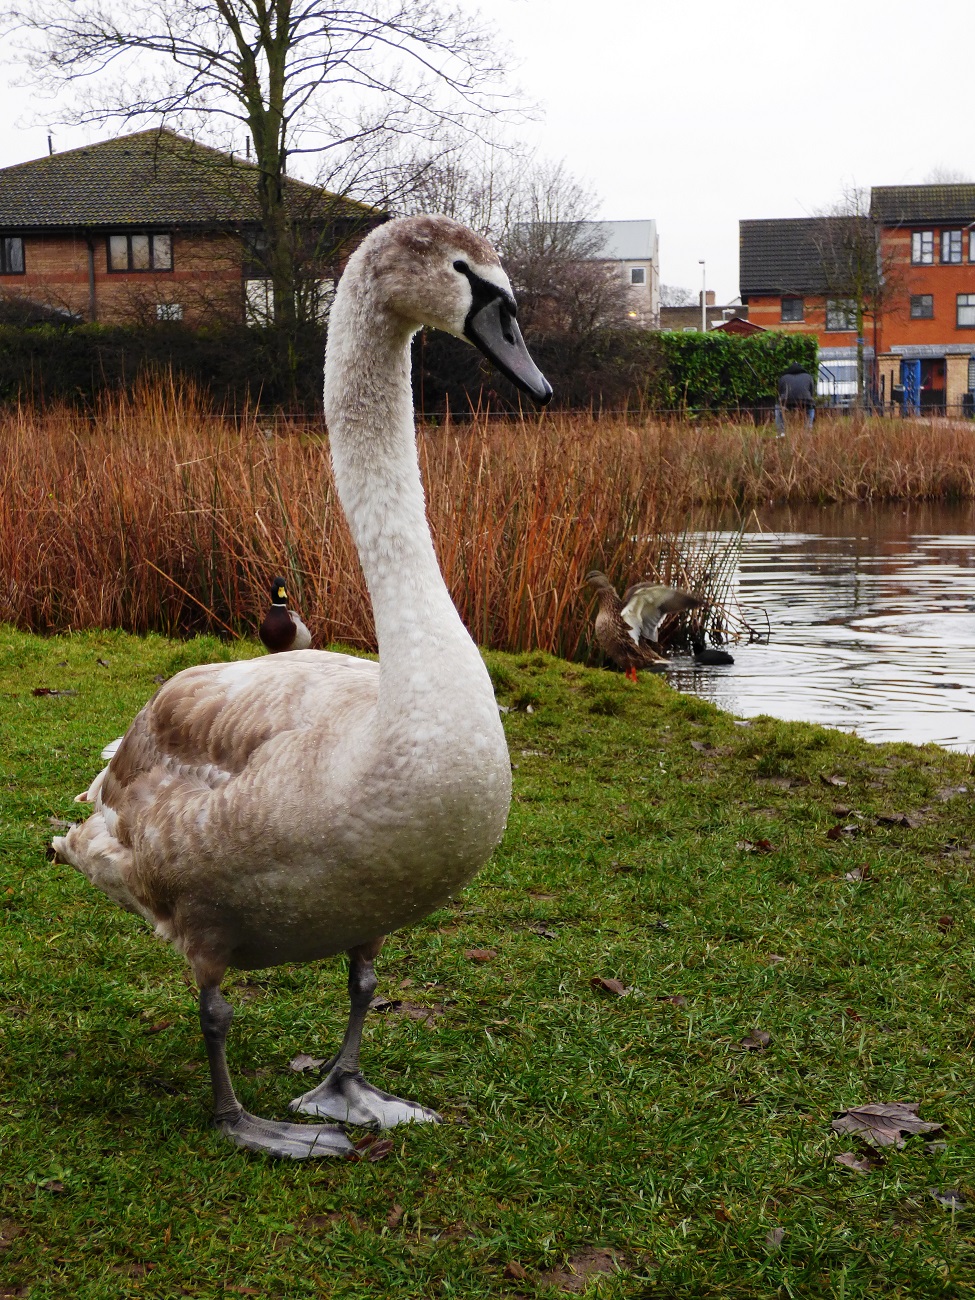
pixel 298 805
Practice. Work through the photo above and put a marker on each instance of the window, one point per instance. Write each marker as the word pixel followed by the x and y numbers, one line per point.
pixel 169 311
pixel 922 247
pixel 793 309
pixel 951 245
pixel 922 306
pixel 966 311
pixel 638 275
pixel 11 255
pixel 258 301
pixel 841 314
pixel 971 245
pixel 140 252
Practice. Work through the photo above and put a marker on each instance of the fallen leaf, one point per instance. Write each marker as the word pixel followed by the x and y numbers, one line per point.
pixel 951 791
pixel 746 846
pixel 603 985
pixel 675 999
pixel 53 1185
pixel 833 780
pixel 480 954
pixel 837 832
pixel 840 810
pixel 851 1014
pixel 102 662
pixel 721 1214
pixel 881 1124
pixel 773 1239
pixel 514 1271
pixel 373 1148
pixel 406 984
pixel 757 1040
pixel 858 873
pixel 395 1216
pixel 578 1270
pixel 49 690
pixel 305 1062
pixel 159 1026
pixel 950 1197
pixel 945 923
pixel 550 898
pixel 911 821
pixel 849 1161
pixel 935 1148
pixel 702 747
pixel 774 959
pixel 9 1231
pixel 543 932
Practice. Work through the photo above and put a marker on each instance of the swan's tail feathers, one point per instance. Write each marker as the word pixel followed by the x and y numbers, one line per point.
pixel 108 753
pixel 93 850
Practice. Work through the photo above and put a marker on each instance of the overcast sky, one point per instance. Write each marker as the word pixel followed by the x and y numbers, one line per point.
pixel 703 112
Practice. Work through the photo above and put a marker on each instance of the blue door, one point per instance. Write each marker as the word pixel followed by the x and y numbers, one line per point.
pixel 911 384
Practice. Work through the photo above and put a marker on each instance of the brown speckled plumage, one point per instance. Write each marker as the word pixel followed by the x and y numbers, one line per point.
pixel 626 629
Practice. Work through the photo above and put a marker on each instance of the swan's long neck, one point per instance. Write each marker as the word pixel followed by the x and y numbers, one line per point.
pixel 369 409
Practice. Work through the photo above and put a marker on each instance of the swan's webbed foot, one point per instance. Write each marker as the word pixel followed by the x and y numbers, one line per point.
pixel 286 1141
pixel 348 1098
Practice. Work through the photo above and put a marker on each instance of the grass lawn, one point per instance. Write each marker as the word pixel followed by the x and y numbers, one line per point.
pixel 653 841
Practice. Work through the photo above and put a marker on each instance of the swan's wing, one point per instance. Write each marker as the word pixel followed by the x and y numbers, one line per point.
pixel 203 730
pixel 646 603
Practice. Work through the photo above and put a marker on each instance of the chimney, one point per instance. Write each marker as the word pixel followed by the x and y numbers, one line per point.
pixel 710 301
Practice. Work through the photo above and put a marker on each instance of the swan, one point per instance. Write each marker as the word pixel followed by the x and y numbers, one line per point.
pixel 627 629
pixel 291 807
pixel 282 628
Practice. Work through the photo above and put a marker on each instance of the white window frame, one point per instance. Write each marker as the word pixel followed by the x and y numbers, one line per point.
pixel 641 272
pixel 965 302
pixel 922 248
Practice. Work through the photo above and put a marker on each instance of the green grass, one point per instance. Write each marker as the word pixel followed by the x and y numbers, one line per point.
pixel 574 1119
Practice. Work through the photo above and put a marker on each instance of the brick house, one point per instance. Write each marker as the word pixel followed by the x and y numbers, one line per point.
pixel 153 226
pixel 920 348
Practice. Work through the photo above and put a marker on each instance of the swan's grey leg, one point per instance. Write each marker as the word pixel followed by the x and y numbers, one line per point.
pixel 297 1141
pixel 344 1094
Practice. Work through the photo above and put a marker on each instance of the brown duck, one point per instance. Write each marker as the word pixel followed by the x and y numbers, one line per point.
pixel 282 628
pixel 627 629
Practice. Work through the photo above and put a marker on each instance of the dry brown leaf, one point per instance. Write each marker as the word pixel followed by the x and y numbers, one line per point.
pixel 900 819
pixel 881 1124
pixel 833 780
pixel 858 874
pixel 721 1214
pixel 543 932
pixel 602 985
pixel 675 999
pixel 774 959
pixel 53 1185
pixel 951 791
pixel 305 1062
pixel 480 954
pixel 577 1272
pixel 950 1197
pixel 773 1238
pixel 9 1231
pixel 514 1271
pixel 50 690
pixel 103 663
pixel 848 1160
pixel 372 1147
pixel 945 923
pixel 395 1216
pixel 757 1040
pixel 837 832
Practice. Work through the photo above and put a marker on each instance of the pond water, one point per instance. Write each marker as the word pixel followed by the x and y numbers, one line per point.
pixel 872 618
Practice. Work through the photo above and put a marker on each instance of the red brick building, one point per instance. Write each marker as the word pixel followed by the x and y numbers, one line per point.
pixel 921 345
pixel 153 226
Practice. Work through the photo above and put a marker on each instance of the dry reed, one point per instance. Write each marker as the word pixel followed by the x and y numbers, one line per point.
pixel 159 515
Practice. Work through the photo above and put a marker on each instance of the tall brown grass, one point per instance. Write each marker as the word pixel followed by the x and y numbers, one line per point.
pixel 159 515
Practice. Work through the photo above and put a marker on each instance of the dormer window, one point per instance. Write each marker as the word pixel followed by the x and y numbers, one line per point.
pixel 140 252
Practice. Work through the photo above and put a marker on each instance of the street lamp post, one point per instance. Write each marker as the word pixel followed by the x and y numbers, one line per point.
pixel 704 295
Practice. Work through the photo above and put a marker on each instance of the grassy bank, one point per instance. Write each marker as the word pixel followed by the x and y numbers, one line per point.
pixel 159 517
pixel 719 871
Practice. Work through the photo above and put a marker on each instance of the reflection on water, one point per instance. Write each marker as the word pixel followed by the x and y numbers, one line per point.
pixel 872 614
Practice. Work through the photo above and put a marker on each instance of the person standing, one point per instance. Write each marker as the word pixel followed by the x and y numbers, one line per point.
pixel 797 393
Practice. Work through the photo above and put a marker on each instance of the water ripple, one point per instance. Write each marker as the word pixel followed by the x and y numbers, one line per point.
pixel 872 613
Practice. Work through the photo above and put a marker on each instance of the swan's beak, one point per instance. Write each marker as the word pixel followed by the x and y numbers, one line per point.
pixel 492 329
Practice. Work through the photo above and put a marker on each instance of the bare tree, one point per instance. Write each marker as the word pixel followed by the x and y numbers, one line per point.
pixel 942 175
pixel 301 76
pixel 861 279
pixel 673 295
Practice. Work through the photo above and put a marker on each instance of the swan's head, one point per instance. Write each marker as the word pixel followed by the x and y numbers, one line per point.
pixel 434 271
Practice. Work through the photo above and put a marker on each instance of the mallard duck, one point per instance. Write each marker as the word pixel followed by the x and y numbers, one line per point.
pixel 708 656
pixel 627 629
pixel 286 808
pixel 282 628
